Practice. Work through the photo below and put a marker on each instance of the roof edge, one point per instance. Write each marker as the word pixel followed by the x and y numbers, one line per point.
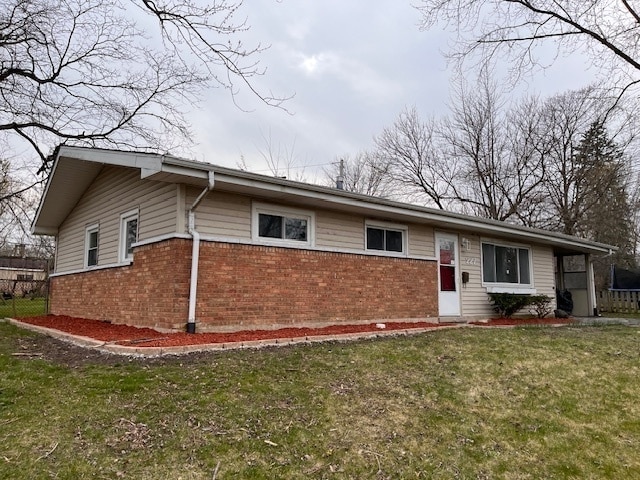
pixel 153 162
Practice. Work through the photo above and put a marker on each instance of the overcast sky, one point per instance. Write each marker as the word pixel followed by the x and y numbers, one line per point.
pixel 353 66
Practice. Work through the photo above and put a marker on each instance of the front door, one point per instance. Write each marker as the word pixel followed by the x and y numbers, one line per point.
pixel 448 285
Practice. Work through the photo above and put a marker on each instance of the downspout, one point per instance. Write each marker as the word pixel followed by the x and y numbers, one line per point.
pixel 195 254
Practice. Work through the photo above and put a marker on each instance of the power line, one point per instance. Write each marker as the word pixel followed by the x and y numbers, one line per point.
pixel 295 168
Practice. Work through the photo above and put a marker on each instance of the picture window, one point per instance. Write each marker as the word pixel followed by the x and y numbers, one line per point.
pixel 506 264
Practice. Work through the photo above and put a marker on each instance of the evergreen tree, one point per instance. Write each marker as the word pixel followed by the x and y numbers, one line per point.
pixel 602 209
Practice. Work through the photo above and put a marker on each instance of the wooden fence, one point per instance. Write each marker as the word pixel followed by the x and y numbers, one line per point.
pixel 621 301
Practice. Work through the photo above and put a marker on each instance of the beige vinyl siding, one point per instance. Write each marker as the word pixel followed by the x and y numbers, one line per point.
pixel 115 191
pixel 222 214
pixel 228 215
pixel 339 231
pixel 475 301
pixel 421 241
pixel 545 278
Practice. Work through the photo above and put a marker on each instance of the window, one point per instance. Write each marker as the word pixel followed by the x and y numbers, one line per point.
pixel 23 277
pixel 286 228
pixel 506 264
pixel 128 234
pixel 91 246
pixel 386 238
pixel 283 225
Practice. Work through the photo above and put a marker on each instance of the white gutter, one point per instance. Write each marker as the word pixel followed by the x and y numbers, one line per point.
pixel 195 254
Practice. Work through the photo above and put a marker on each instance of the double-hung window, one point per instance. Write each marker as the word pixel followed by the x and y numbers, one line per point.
pixel 128 234
pixel 505 264
pixel 282 225
pixel 91 238
pixel 386 238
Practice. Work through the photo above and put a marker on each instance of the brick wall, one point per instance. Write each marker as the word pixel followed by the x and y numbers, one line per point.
pixel 245 286
pixel 153 291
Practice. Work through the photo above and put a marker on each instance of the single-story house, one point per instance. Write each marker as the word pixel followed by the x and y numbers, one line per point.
pixel 21 275
pixel 155 240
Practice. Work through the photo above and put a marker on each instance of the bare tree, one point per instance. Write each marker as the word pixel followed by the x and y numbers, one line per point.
pixel 605 30
pixel 365 173
pixel 18 197
pixel 498 148
pixel 84 72
pixel 473 135
pixel 282 160
pixel 486 158
pixel 565 117
pixel 417 165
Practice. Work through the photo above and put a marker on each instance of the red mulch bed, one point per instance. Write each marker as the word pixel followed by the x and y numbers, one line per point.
pixel 147 337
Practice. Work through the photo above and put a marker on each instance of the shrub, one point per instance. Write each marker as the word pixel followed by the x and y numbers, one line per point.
pixel 506 304
pixel 540 305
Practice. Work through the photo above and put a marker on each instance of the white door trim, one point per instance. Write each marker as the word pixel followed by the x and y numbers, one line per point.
pixel 448 300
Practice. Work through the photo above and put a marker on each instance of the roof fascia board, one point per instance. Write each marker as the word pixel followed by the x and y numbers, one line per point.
pixel 166 168
pixel 44 231
pixel 34 229
pixel 113 157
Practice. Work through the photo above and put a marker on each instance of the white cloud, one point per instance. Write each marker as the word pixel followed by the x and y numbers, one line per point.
pixel 310 64
pixel 353 66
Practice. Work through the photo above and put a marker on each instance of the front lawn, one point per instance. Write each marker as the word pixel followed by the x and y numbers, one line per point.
pixel 521 403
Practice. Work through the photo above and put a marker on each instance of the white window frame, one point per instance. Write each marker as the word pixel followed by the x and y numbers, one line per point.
pixel 285 212
pixel 404 229
pixel 125 218
pixel 505 287
pixel 95 228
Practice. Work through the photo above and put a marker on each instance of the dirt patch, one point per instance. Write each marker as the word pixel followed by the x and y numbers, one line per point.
pixel 43 347
pixel 56 351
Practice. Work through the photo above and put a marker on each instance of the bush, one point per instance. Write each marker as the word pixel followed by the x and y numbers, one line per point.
pixel 506 304
pixel 540 305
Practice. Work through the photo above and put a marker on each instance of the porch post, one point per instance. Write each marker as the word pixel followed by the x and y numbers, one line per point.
pixel 591 286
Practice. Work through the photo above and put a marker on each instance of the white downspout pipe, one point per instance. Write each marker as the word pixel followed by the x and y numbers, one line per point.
pixel 195 255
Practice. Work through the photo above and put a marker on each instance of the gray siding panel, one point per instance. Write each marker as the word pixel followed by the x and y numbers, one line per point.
pixel 228 215
pixel 222 214
pixel 115 191
pixel 545 277
pixel 339 231
pixel 475 301
pixel 421 241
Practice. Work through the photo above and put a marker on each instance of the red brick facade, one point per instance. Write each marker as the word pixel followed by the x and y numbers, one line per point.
pixel 246 286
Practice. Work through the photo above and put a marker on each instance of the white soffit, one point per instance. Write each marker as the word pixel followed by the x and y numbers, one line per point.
pixel 68 182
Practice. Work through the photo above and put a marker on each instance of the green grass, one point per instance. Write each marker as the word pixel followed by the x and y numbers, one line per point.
pixel 24 307
pixel 466 403
pixel 621 314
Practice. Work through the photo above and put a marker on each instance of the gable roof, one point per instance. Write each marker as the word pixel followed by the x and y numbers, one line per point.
pixel 75 168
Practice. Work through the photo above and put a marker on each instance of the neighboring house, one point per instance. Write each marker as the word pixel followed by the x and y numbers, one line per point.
pixel 154 240
pixel 21 275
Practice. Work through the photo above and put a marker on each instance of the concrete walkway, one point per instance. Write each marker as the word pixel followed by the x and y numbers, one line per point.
pixel 608 321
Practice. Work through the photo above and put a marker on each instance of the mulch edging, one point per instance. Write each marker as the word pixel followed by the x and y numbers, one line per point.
pixel 129 340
